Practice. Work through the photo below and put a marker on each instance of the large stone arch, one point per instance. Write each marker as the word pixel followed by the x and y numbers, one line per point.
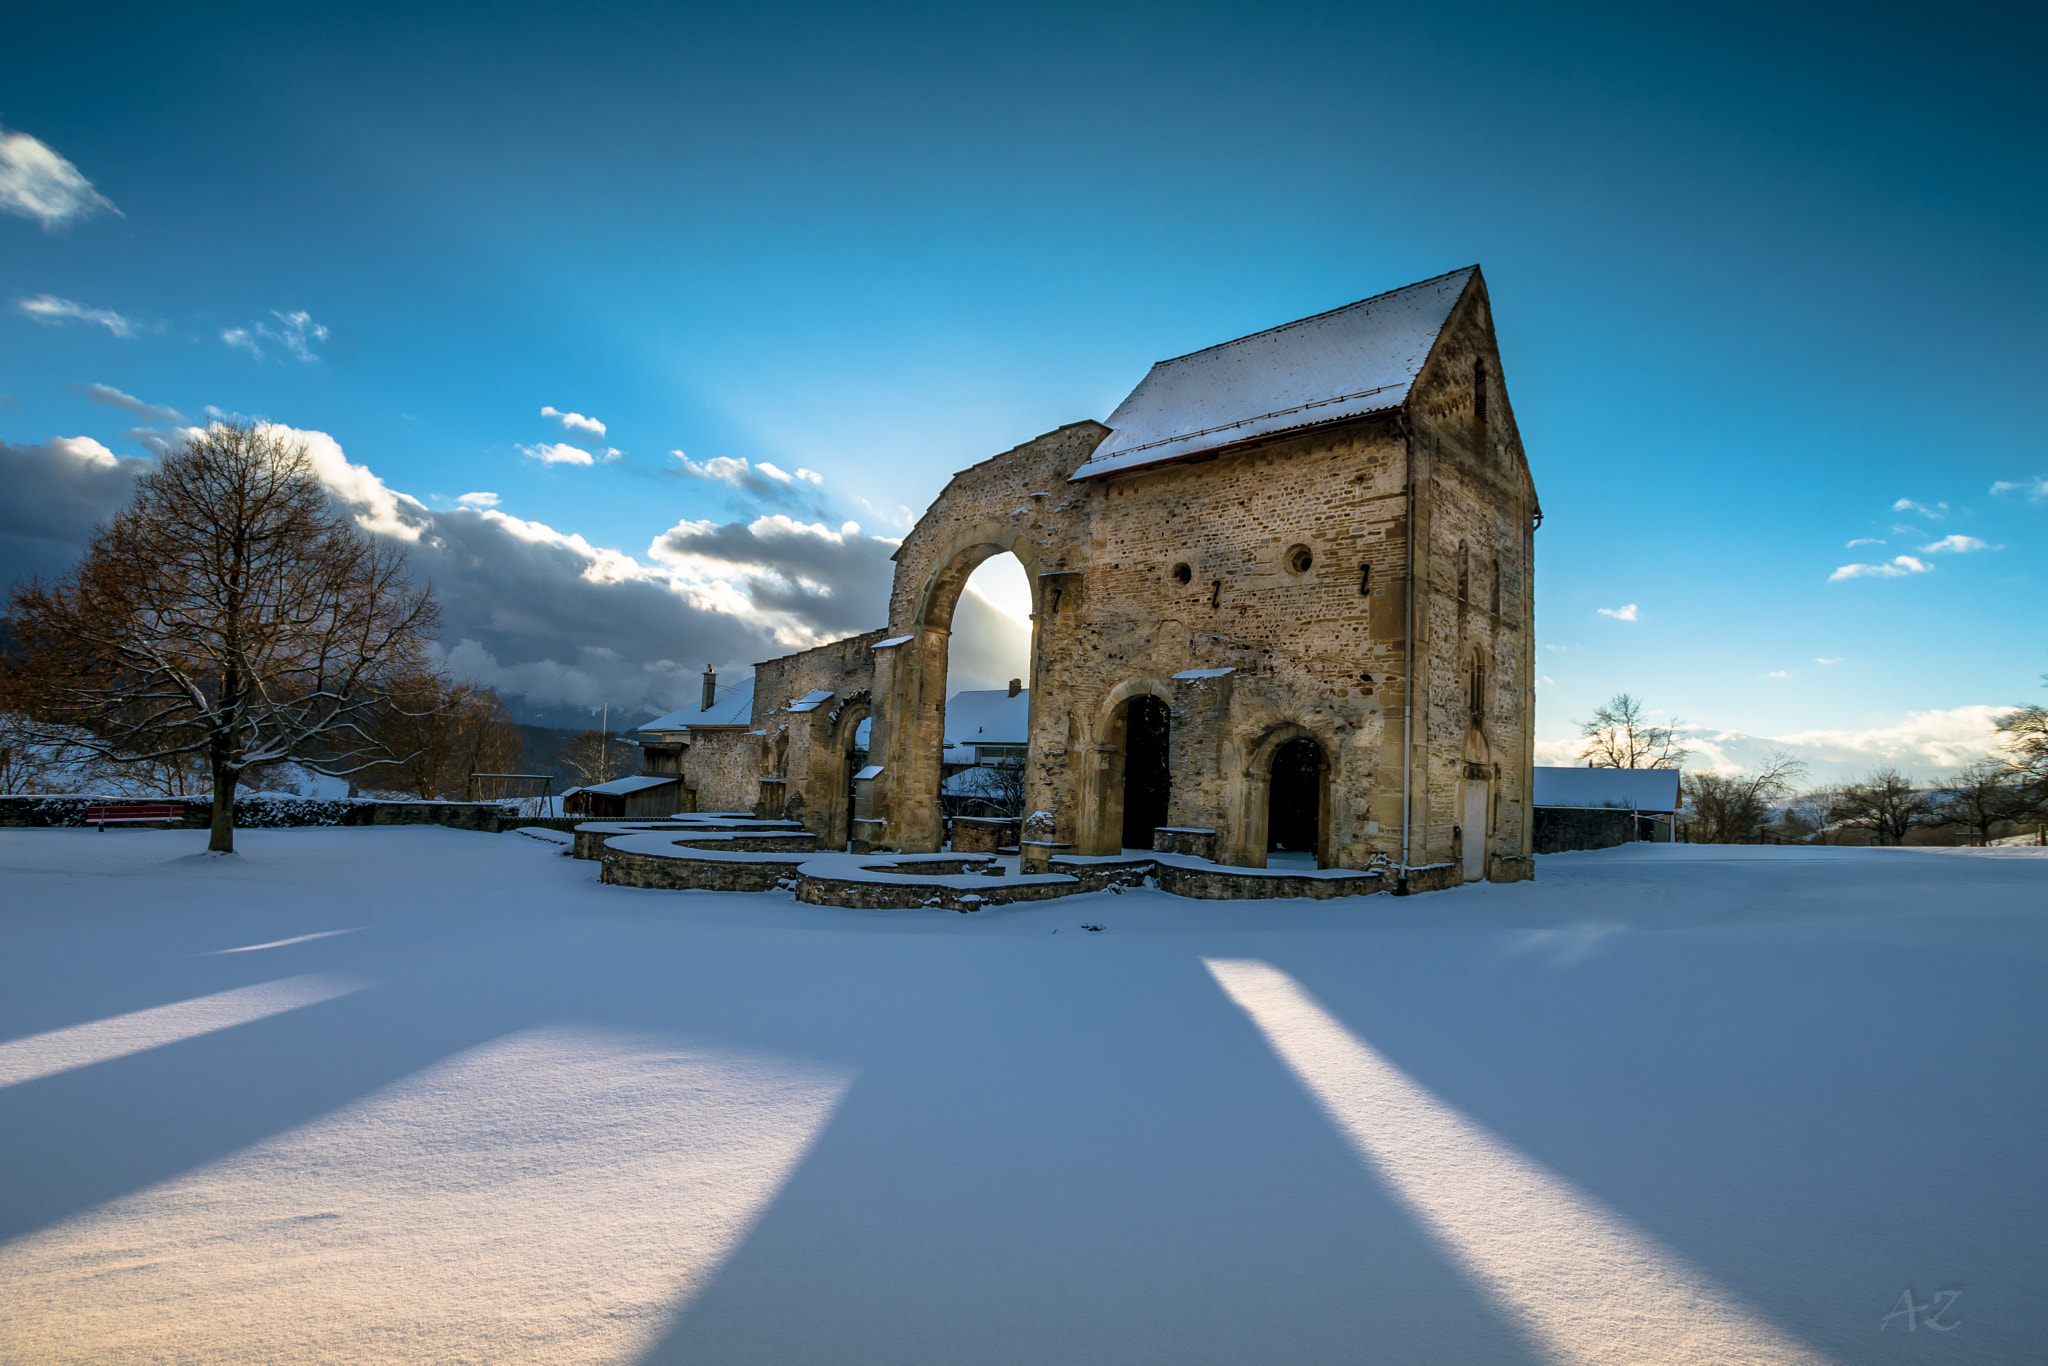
pixel 1100 827
pixel 1248 769
pixel 1000 505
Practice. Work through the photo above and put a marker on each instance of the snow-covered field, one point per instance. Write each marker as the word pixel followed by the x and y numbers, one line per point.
pixel 422 1095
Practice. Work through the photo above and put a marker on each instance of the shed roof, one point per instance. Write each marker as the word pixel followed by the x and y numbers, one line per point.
pixel 1643 789
pixel 640 782
pixel 733 706
pixel 1346 363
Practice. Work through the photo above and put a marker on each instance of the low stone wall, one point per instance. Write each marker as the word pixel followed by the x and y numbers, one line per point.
pixel 1563 828
pixel 1434 877
pixel 682 874
pixel 1183 839
pixel 1512 868
pixel 266 812
pixel 983 834
pixel 1224 884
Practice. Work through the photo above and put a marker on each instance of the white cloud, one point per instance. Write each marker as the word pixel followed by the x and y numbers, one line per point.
pixel 1957 545
pixel 1627 613
pixel 1778 673
pixel 1863 540
pixel 37 183
pixel 51 311
pixel 295 332
pixel 478 500
pixel 111 397
pixel 1938 512
pixel 558 453
pixel 1561 649
pixel 574 422
pixel 1836 660
pixel 783 476
pixel 766 481
pixel 2034 490
pixel 1546 678
pixel 1900 566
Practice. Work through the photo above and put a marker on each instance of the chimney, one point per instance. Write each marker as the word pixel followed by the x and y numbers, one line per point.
pixel 1016 686
pixel 710 687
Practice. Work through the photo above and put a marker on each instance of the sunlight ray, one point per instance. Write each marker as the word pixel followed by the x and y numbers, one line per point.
pixel 282 943
pixel 1583 1284
pixel 553 1196
pixel 62 1050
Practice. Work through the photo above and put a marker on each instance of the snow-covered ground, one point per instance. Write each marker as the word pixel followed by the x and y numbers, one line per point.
pixel 412 1094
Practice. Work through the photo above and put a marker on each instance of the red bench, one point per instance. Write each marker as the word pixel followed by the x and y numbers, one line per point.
pixel 134 813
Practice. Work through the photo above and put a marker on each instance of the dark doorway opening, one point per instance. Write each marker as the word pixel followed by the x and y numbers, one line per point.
pixel 1147 782
pixel 1294 817
pixel 856 760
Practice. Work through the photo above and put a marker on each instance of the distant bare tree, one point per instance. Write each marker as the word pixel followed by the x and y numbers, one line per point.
pixel 1620 735
pixel 2024 736
pixel 441 730
pixel 229 613
pixel 1982 796
pixel 1733 808
pixel 1884 802
pixel 1806 815
pixel 598 756
pixel 993 789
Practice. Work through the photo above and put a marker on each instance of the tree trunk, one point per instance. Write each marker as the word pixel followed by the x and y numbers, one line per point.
pixel 223 840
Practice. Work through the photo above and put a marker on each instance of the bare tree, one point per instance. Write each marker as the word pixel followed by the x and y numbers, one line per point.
pixel 992 789
pixel 1620 735
pixel 1806 815
pixel 2024 736
pixel 1884 802
pixel 230 613
pixel 441 731
pixel 1980 798
pixel 1733 808
pixel 598 756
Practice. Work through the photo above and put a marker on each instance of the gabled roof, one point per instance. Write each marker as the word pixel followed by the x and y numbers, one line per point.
pixel 733 706
pixel 992 717
pixel 1643 789
pixel 1352 361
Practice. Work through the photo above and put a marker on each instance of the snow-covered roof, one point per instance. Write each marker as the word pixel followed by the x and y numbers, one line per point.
pixel 733 706
pixel 619 787
pixel 1644 789
pixel 1204 673
pixel 810 700
pixel 992 717
pixel 1351 361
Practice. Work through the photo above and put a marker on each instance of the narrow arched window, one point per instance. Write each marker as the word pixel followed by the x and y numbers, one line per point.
pixel 1464 573
pixel 1475 689
pixel 1479 391
pixel 1496 585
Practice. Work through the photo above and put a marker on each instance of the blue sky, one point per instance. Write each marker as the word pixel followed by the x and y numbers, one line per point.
pixel 1760 274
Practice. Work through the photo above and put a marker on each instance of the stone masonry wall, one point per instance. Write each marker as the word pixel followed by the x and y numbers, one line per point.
pixel 1279 575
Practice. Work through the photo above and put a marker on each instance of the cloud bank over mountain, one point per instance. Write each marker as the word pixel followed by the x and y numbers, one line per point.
pixel 560 626
pixel 1927 744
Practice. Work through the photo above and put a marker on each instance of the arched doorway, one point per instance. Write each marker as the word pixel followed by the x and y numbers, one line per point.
pixel 1148 782
pixel 1297 805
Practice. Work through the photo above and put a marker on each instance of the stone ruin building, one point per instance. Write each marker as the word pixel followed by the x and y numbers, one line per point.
pixel 1294 570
